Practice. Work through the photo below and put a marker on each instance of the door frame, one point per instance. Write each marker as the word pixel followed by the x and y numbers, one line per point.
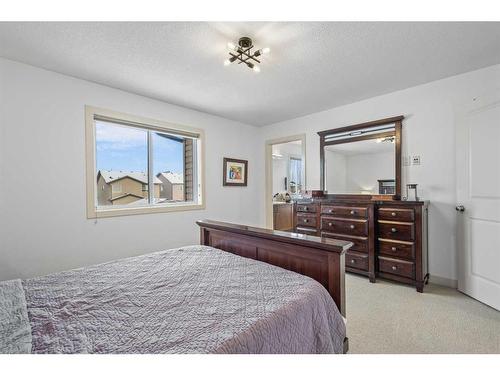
pixel 269 170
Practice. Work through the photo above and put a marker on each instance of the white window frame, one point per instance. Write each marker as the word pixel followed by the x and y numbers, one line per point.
pixel 93 211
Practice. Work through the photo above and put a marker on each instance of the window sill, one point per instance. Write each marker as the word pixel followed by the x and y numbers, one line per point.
pixel 94 213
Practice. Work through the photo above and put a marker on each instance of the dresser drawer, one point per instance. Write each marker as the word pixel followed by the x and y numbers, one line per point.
pixel 306 207
pixel 360 243
pixel 397 249
pixel 396 214
pixel 355 227
pixel 306 220
pixel 396 267
pixel 356 260
pixel 355 212
pixel 308 231
pixel 392 230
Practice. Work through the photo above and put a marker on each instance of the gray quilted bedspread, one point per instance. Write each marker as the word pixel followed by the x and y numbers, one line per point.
pixel 193 299
pixel 15 331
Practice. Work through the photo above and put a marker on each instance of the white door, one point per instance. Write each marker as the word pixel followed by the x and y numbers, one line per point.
pixel 478 206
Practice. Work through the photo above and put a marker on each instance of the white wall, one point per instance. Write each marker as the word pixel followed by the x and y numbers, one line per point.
pixel 43 225
pixel 335 172
pixel 428 131
pixel 352 174
pixel 364 170
pixel 3 99
pixel 280 171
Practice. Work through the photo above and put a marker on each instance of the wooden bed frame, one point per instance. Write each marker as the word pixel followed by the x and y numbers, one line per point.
pixel 322 259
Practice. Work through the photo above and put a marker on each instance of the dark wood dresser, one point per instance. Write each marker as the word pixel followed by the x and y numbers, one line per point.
pixel 389 237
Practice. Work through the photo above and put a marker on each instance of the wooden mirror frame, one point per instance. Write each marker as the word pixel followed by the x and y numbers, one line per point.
pixel 398 121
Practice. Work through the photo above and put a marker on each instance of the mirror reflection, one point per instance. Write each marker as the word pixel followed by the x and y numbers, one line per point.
pixel 365 166
pixel 287 168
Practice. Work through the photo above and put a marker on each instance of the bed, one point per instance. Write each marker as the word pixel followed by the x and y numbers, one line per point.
pixel 233 293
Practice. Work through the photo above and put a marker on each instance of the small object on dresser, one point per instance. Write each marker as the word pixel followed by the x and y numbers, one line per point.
pixel 387 186
pixel 411 196
pixel 282 197
pixel 314 194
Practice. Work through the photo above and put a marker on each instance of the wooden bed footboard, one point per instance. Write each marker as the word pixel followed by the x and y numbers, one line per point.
pixel 319 258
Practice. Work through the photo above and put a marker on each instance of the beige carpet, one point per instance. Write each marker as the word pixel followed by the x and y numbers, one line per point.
pixel 388 317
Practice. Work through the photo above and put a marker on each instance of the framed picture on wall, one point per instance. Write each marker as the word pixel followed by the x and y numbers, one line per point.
pixel 235 172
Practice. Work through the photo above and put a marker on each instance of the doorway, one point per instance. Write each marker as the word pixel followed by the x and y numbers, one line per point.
pixel 285 179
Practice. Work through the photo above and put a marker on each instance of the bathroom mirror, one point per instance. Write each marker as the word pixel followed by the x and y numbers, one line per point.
pixel 362 159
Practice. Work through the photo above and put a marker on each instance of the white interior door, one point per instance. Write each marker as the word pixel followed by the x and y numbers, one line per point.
pixel 478 193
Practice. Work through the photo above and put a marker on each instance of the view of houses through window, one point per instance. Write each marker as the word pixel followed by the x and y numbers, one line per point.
pixel 124 155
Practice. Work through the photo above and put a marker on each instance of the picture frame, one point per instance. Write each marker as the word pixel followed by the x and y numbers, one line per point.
pixel 235 172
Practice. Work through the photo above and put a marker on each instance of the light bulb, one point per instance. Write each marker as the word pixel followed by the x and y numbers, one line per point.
pixel 266 50
pixel 231 46
pixel 256 69
pixel 227 62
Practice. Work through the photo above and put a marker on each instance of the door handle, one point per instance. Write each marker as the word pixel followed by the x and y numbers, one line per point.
pixel 460 208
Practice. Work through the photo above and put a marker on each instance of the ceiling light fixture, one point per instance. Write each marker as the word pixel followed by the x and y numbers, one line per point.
pixel 243 54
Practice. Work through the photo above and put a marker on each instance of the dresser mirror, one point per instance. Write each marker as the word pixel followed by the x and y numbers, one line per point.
pixel 362 159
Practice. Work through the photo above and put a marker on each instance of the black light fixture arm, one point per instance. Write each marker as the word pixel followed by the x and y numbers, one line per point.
pixel 243 54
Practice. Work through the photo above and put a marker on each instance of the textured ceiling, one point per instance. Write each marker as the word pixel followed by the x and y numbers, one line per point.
pixel 312 66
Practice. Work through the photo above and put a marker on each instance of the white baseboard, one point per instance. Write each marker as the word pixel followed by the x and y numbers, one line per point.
pixel 443 281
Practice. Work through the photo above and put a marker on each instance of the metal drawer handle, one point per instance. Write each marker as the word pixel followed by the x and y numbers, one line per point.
pixel 353 261
pixel 330 224
pixel 393 248
pixel 393 213
pixel 353 212
pixel 305 220
pixel 352 226
pixel 394 268
pixel 394 230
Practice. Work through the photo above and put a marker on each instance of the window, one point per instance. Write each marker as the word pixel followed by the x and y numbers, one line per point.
pixel 115 188
pixel 136 165
pixel 295 184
